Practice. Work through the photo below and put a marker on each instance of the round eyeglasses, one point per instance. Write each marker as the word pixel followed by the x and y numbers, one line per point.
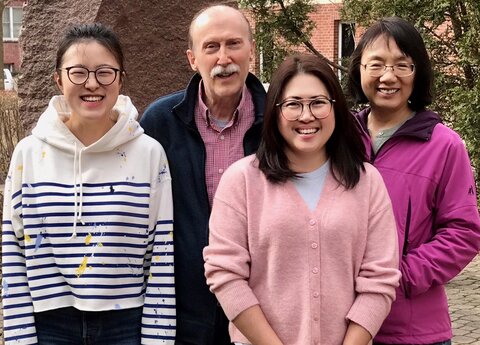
pixel 400 70
pixel 79 75
pixel 292 109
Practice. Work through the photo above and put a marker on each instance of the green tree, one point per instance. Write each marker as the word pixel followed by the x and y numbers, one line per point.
pixel 281 27
pixel 450 29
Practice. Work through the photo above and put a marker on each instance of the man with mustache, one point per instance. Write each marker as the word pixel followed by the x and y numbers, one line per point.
pixel 214 122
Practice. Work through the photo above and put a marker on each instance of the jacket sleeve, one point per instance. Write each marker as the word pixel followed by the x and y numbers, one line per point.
pixel 159 314
pixel 379 275
pixel 19 322
pixel 456 228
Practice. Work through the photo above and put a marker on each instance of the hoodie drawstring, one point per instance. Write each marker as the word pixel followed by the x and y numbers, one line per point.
pixel 77 213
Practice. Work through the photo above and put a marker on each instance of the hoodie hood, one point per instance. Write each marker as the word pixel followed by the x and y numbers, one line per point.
pixel 52 130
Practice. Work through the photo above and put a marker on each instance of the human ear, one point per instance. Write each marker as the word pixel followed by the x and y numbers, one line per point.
pixel 58 81
pixel 191 59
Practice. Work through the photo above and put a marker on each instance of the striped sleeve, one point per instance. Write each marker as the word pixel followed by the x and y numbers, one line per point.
pixel 159 316
pixel 19 323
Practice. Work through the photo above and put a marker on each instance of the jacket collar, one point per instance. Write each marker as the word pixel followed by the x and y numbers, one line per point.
pixel 420 126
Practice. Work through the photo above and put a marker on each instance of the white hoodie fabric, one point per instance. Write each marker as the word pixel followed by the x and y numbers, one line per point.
pixel 88 227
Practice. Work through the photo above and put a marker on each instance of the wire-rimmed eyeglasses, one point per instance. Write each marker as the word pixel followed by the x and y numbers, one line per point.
pixel 400 69
pixel 79 75
pixel 292 109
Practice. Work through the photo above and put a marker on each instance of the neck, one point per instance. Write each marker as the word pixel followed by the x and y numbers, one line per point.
pixel 222 108
pixel 307 162
pixel 378 119
pixel 89 132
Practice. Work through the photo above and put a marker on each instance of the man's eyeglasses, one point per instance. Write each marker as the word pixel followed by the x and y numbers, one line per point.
pixel 400 70
pixel 79 75
pixel 292 109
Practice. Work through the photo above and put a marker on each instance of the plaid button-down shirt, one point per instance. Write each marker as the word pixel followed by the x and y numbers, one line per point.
pixel 223 146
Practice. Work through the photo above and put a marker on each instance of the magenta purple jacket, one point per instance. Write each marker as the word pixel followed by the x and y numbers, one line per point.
pixel 430 181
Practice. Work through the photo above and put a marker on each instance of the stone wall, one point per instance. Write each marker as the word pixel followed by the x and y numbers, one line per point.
pixel 153 33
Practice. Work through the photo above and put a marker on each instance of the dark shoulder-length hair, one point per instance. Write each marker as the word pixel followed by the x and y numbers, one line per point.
pixel 410 42
pixel 344 148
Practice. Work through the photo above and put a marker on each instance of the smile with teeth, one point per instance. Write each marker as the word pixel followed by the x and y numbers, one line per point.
pixel 388 91
pixel 224 75
pixel 92 98
pixel 306 130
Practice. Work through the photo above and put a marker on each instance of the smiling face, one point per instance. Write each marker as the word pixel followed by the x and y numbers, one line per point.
pixel 387 94
pixel 221 43
pixel 306 137
pixel 89 102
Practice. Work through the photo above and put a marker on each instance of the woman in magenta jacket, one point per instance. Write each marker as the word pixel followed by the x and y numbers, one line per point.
pixel 428 175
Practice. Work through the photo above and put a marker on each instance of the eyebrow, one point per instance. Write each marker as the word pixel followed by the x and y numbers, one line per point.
pixel 309 98
pixel 398 57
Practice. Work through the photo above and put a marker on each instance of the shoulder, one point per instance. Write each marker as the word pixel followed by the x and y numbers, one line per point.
pixel 371 179
pixel 25 145
pixel 239 176
pixel 245 167
pixel 163 105
pixel 443 133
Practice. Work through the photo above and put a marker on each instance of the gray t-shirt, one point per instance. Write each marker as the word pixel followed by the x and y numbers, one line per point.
pixel 310 185
pixel 385 134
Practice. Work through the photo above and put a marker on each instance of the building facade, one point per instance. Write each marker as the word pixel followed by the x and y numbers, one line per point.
pixel 12 24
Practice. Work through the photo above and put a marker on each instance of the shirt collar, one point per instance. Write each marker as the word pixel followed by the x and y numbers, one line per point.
pixel 206 114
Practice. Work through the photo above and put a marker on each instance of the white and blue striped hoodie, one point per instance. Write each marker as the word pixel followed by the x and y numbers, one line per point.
pixel 88 227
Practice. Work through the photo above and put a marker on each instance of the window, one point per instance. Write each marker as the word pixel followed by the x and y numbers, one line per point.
pixel 12 22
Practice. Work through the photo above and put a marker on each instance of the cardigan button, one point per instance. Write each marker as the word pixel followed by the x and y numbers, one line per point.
pixel 312 222
pixel 314 245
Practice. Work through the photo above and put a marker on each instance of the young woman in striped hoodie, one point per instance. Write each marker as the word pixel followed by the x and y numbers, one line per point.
pixel 87 248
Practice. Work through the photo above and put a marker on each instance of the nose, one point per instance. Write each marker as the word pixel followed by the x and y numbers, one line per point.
pixel 388 73
pixel 306 115
pixel 223 56
pixel 91 82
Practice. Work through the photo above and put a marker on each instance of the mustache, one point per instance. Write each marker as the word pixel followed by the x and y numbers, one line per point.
pixel 229 69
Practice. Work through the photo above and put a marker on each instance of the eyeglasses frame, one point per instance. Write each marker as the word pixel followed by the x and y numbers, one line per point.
pixel 116 70
pixel 412 66
pixel 331 100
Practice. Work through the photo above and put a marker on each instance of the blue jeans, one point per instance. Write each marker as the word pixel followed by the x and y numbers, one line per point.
pixel 70 326
pixel 446 342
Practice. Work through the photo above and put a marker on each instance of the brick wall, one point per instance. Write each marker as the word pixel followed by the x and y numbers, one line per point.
pixel 11 54
pixel 325 35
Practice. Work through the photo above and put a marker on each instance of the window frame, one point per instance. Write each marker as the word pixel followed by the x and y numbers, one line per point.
pixel 13 37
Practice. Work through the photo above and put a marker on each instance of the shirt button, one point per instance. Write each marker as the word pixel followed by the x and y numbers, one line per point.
pixel 312 222
pixel 315 318
pixel 315 270
pixel 314 245
pixel 220 171
pixel 222 137
pixel 316 294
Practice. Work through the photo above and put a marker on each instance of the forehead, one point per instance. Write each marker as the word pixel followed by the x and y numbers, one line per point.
pixel 305 85
pixel 88 52
pixel 383 47
pixel 219 24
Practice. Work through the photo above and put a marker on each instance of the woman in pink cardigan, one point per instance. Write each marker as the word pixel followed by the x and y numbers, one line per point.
pixel 303 245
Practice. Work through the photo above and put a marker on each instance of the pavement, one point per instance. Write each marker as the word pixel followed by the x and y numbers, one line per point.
pixel 464 300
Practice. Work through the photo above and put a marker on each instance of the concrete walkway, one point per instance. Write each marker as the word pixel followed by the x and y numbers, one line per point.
pixel 464 300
